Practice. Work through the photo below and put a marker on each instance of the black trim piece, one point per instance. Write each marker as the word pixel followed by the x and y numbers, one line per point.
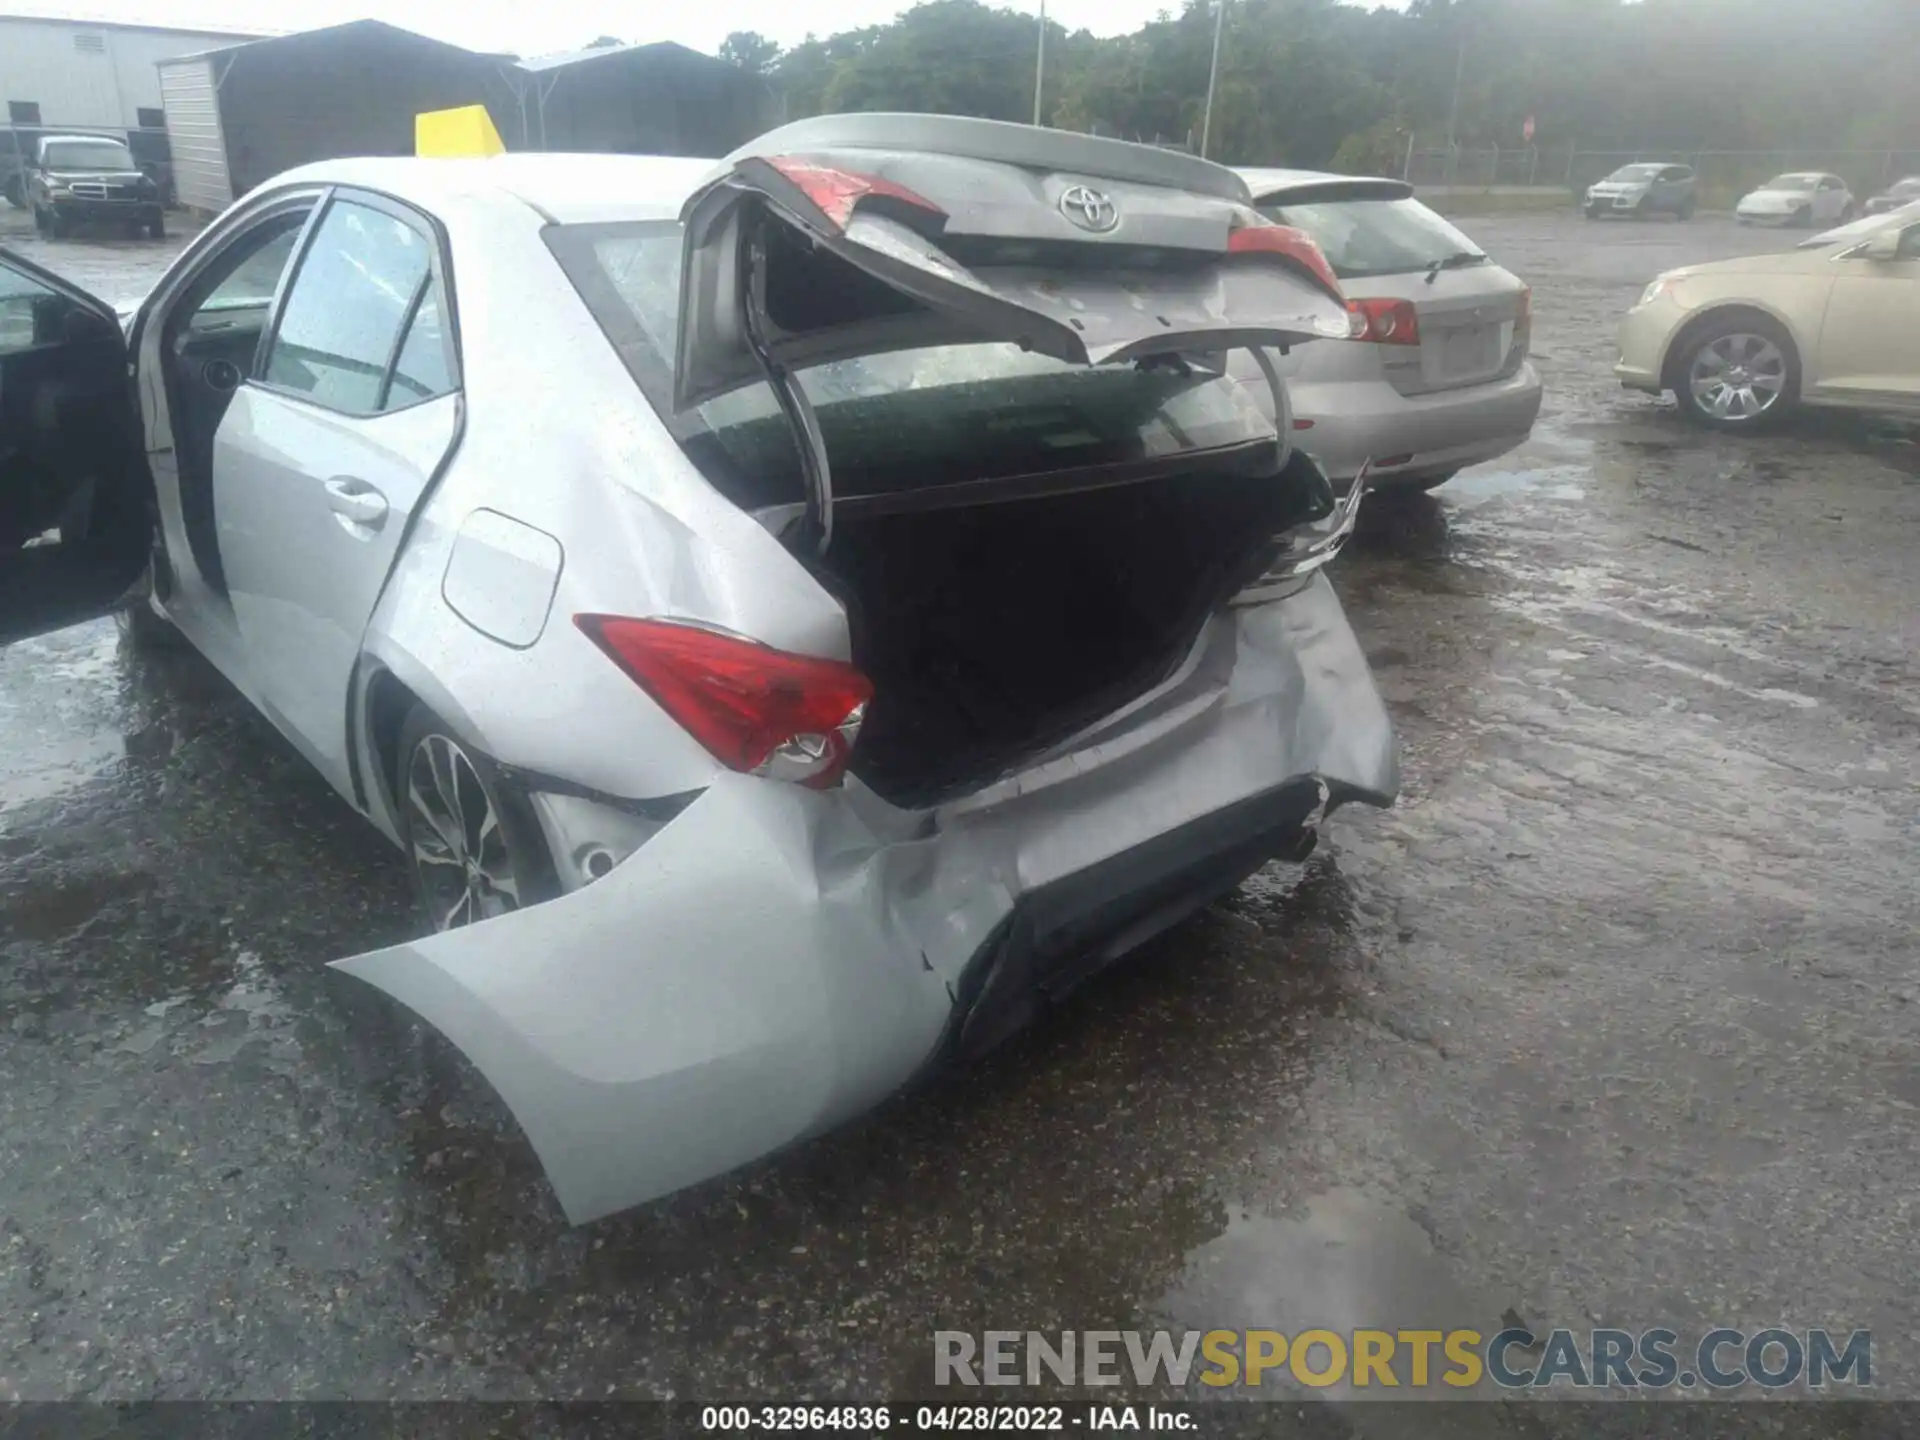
pixel 392 367
pixel 1243 458
pixel 270 325
pixel 1063 933
pixel 661 807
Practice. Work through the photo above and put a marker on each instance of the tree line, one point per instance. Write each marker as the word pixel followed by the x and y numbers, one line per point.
pixel 1322 83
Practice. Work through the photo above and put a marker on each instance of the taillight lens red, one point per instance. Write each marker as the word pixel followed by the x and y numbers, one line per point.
pixel 1384 322
pixel 1526 305
pixel 747 703
pixel 1290 244
pixel 837 192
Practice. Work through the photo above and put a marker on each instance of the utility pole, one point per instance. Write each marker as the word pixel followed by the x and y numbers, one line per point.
pixel 1213 76
pixel 1040 62
pixel 1453 110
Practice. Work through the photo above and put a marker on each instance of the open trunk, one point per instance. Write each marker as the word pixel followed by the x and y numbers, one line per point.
pixel 993 632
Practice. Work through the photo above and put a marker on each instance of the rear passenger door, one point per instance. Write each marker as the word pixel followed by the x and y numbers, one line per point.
pixel 325 453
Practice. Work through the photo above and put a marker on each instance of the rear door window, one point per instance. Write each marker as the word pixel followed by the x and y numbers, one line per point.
pixel 364 278
pixel 1374 237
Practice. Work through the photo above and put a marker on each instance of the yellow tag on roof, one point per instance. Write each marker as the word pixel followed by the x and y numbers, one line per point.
pixel 445 134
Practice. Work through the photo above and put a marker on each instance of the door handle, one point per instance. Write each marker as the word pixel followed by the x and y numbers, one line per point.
pixel 359 506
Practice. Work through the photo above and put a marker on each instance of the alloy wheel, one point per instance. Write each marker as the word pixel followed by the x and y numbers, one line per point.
pixel 1737 377
pixel 459 846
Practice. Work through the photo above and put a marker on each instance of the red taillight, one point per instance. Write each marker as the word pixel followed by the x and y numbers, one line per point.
pixel 1526 305
pixel 1384 322
pixel 1289 244
pixel 755 708
pixel 836 192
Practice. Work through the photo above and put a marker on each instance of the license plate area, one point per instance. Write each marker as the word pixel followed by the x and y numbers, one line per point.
pixel 1468 351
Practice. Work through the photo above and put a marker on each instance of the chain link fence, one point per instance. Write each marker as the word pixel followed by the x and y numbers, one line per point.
pixel 1725 175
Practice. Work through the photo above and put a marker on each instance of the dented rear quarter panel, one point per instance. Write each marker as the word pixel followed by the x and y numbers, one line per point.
pixel 776 960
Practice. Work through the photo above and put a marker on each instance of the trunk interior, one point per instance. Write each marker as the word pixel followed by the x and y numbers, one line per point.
pixel 993 632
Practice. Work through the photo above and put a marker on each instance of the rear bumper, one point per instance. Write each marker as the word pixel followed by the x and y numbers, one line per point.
pixel 1064 933
pixel 1360 420
pixel 776 960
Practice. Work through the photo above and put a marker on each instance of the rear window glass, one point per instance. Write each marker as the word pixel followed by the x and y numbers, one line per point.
pixel 931 415
pixel 1376 237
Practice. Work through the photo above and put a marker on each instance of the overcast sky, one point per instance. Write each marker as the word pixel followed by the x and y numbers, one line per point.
pixel 539 27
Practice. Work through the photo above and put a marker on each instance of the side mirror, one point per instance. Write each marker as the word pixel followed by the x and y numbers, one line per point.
pixel 1883 246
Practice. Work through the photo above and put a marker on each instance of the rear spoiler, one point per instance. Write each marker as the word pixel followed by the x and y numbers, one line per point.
pixel 1332 191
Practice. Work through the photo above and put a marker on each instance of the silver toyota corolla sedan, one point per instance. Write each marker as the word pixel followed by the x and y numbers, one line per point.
pixel 798 618
pixel 1434 375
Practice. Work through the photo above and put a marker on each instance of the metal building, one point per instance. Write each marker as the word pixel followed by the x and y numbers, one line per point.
pixel 242 114
pixel 653 99
pixel 89 75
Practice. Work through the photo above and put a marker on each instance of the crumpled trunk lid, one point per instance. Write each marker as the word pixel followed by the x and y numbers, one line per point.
pixel 1087 250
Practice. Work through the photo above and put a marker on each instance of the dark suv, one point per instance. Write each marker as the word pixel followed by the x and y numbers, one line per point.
pixel 90 178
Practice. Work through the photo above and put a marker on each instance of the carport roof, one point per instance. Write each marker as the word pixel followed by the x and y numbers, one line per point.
pixel 661 49
pixel 364 26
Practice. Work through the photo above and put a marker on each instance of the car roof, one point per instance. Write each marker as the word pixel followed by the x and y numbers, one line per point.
pixel 567 189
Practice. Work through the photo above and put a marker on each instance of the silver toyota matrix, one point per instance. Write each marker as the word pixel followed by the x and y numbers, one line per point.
pixel 798 617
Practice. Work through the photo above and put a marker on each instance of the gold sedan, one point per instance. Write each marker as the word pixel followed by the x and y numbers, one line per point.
pixel 1742 343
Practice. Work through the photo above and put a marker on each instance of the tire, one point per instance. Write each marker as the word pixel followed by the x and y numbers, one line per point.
pixel 57 226
pixel 1644 210
pixel 1685 212
pixel 1593 212
pixel 1751 358
pixel 157 227
pixel 464 869
pixel 42 222
pixel 1802 218
pixel 1847 213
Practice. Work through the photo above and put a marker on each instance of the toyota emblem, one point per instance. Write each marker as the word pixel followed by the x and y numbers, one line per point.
pixel 1089 209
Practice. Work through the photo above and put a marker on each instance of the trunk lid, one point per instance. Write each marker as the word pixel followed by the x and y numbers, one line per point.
pixel 853 235
pixel 1475 327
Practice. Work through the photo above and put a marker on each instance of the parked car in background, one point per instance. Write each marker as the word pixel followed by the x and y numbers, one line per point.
pixel 793 634
pixel 1901 192
pixel 1643 189
pixel 91 179
pixel 1859 227
pixel 1742 343
pixel 1807 197
pixel 1434 374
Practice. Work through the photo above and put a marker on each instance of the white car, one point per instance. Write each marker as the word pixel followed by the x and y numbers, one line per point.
pixel 798 619
pixel 1801 197
pixel 1741 343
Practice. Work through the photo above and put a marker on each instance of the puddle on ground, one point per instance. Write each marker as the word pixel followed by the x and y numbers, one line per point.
pixel 1549 482
pixel 1342 1261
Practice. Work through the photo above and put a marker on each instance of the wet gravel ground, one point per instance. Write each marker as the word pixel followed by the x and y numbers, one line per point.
pixel 1612 1021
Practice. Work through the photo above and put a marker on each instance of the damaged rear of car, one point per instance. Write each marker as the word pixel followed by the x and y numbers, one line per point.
pixel 1084 672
